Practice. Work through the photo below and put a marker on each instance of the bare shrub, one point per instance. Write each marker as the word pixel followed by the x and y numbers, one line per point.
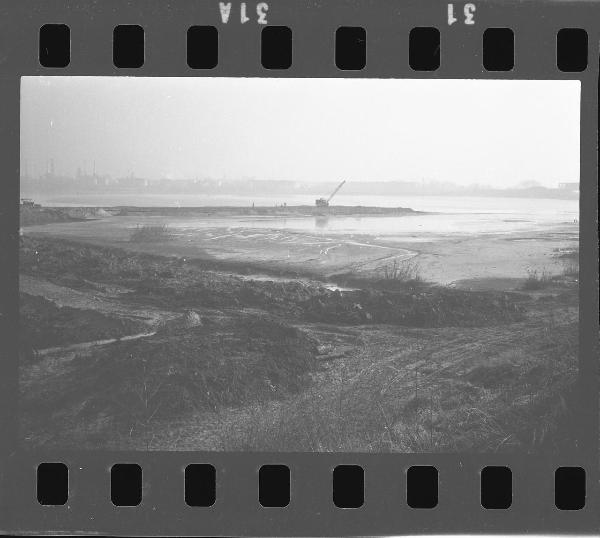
pixel 402 271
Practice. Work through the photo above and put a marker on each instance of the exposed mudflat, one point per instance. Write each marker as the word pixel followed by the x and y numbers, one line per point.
pixel 298 246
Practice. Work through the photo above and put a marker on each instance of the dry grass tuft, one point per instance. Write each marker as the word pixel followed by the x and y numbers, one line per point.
pixel 536 280
pixel 488 400
pixel 202 368
pixel 570 269
pixel 151 234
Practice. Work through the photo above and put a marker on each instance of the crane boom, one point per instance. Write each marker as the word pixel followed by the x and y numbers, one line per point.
pixel 335 191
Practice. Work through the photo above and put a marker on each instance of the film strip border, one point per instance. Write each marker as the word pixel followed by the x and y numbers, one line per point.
pixel 216 494
pixel 311 510
pixel 350 45
pixel 282 39
pixel 199 482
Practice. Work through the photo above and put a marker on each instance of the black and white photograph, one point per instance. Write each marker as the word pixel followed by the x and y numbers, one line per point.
pixel 298 264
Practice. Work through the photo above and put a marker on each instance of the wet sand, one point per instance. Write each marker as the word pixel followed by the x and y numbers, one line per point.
pixel 492 258
pixel 445 258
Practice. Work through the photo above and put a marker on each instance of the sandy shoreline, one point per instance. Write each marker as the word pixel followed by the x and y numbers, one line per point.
pixel 500 256
pixel 444 258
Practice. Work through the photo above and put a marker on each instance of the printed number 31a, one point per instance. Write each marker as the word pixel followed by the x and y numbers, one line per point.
pixel 469 11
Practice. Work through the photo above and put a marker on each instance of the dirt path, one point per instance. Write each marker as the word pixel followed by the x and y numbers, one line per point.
pixel 93 300
pixel 81 346
pixel 362 394
pixel 367 375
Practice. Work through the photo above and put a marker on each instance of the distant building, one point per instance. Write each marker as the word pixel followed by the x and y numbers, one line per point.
pixel 569 186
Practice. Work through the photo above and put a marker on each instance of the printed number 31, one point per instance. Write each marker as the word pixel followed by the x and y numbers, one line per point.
pixel 469 12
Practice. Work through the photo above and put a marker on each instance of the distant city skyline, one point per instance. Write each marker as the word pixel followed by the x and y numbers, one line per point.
pixel 85 177
pixel 52 189
pixel 494 133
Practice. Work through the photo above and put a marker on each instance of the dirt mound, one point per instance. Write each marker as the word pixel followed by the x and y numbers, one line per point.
pixel 172 283
pixel 191 319
pixel 243 359
pixel 434 307
pixel 30 216
pixel 55 258
pixel 43 324
pixel 188 320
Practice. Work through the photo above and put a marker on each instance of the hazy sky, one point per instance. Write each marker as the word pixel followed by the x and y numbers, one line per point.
pixel 493 132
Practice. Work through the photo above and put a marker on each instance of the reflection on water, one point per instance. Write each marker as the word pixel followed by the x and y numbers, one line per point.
pixel 321 221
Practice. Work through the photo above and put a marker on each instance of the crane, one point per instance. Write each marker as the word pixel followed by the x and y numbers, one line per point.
pixel 322 202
